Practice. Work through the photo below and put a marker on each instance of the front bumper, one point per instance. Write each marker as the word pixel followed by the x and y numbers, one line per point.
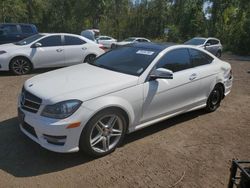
pixel 53 134
pixel 4 62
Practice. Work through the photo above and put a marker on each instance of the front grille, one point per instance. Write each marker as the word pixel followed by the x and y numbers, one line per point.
pixel 29 129
pixel 30 102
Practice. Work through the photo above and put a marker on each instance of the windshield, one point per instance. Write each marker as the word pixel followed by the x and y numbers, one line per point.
pixel 29 40
pixel 128 60
pixel 129 39
pixel 195 41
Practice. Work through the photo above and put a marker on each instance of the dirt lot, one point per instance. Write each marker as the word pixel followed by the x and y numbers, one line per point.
pixel 196 147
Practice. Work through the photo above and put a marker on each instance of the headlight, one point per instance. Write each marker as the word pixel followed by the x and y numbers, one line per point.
pixel 2 52
pixel 61 110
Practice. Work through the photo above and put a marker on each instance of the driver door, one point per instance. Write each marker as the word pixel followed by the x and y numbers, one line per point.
pixel 169 96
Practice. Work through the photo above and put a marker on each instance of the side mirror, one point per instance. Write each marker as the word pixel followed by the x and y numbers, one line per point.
pixel 162 74
pixel 37 45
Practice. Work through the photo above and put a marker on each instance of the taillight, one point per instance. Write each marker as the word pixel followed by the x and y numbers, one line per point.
pixel 102 47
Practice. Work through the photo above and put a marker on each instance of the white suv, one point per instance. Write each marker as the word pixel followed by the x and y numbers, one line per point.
pixel 210 44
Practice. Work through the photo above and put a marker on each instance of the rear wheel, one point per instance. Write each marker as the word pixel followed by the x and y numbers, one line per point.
pixel 113 46
pixel 20 65
pixel 103 133
pixel 214 99
pixel 89 58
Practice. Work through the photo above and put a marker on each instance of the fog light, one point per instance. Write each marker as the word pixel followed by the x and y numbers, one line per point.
pixel 56 140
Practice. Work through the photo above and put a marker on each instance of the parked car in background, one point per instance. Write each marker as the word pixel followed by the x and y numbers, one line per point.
pixel 124 90
pixel 130 40
pixel 106 41
pixel 90 34
pixel 210 44
pixel 47 50
pixel 10 32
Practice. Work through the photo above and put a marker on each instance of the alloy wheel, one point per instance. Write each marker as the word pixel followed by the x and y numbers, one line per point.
pixel 106 133
pixel 20 66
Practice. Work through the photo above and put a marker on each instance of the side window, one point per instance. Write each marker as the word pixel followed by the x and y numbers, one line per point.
pixel 210 42
pixel 214 42
pixel 51 41
pixel 26 29
pixel 200 58
pixel 175 60
pixel 12 29
pixel 70 40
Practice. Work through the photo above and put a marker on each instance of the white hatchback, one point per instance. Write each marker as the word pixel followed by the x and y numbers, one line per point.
pixel 92 106
pixel 47 50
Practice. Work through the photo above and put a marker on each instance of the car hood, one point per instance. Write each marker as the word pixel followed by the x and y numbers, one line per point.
pixel 9 47
pixel 83 82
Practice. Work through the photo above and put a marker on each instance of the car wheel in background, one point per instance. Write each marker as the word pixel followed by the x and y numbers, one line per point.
pixel 214 99
pixel 218 54
pixel 20 65
pixel 113 46
pixel 89 58
pixel 103 133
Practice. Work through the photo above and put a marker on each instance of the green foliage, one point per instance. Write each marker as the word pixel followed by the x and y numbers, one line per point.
pixel 229 21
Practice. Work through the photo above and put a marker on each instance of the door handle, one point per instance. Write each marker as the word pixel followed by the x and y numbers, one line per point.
pixel 59 50
pixel 193 76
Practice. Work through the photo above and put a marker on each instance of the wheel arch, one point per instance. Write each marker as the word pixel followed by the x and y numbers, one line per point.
pixel 22 56
pixel 117 103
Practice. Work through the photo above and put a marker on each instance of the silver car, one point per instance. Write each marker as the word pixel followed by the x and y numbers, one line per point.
pixel 213 45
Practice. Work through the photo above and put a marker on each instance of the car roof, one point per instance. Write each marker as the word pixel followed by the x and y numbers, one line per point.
pixel 16 24
pixel 104 36
pixel 151 45
pixel 206 38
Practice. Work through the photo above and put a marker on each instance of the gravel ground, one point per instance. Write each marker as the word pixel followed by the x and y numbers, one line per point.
pixel 193 150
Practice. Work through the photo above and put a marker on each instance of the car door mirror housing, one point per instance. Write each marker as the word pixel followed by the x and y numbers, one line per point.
pixel 161 73
pixel 36 45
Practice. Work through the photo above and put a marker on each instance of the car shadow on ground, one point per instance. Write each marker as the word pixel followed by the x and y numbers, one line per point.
pixel 21 157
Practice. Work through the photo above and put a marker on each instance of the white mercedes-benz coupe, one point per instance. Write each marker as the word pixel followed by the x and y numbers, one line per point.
pixel 91 106
pixel 47 50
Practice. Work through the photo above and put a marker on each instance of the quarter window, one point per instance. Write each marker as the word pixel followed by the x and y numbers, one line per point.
pixel 199 58
pixel 175 60
pixel 51 41
pixel 70 40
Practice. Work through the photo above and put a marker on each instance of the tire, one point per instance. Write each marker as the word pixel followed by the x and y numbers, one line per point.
pixel 113 46
pixel 103 133
pixel 20 66
pixel 214 99
pixel 89 58
pixel 218 54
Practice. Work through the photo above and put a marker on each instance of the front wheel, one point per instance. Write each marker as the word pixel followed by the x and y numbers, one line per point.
pixel 218 54
pixel 214 99
pixel 103 133
pixel 20 66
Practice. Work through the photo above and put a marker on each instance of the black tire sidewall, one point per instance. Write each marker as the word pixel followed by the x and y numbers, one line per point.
pixel 84 143
pixel 211 107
